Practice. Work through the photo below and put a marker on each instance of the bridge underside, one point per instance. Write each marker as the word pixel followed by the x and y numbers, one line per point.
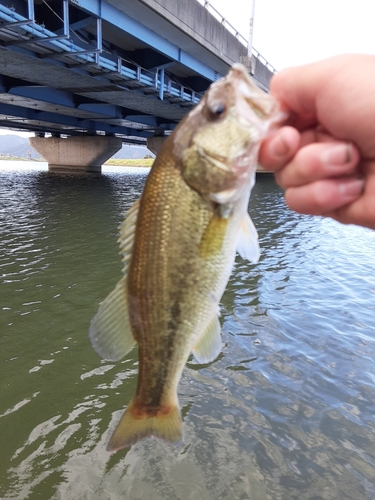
pixel 125 68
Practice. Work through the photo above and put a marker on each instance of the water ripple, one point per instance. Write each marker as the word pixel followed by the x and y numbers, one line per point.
pixel 287 411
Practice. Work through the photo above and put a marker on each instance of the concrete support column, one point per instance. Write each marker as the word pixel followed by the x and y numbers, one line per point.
pixel 76 154
pixel 154 144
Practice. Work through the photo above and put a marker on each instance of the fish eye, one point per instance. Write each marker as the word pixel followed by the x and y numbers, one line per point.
pixel 217 109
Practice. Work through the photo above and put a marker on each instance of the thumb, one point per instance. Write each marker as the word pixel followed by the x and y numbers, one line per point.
pixel 279 148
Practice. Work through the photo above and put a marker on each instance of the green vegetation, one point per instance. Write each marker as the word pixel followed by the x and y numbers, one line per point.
pixel 133 162
pixel 6 157
pixel 117 162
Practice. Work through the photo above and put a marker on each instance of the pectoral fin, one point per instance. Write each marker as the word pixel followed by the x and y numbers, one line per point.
pixel 208 346
pixel 213 237
pixel 247 244
pixel 110 332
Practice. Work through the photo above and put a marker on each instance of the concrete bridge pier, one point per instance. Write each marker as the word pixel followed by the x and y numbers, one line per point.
pixel 76 154
pixel 154 144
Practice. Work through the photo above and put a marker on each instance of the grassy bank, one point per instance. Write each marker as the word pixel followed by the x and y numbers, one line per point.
pixel 117 162
pixel 134 162
pixel 18 158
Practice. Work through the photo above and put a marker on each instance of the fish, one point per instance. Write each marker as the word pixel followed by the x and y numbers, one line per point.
pixel 178 244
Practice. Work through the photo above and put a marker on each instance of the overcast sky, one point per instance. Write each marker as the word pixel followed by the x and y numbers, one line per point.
pixel 293 32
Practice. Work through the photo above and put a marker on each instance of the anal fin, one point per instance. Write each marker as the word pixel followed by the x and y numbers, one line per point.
pixel 209 344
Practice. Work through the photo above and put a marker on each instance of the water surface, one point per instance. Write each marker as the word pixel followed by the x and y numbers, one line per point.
pixel 286 412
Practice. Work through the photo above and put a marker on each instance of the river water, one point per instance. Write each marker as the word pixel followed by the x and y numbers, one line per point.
pixel 287 411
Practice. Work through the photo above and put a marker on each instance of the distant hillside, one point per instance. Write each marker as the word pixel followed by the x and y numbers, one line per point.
pixel 128 151
pixel 14 145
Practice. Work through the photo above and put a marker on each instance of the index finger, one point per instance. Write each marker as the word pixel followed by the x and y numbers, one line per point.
pixel 335 94
pixel 297 90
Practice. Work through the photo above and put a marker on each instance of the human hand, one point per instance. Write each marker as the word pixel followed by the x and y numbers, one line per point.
pixel 326 161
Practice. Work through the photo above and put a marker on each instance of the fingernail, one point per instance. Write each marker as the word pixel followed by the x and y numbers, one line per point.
pixel 337 155
pixel 351 188
pixel 278 147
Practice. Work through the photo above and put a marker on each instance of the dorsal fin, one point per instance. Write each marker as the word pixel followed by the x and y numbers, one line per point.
pixel 110 330
pixel 127 232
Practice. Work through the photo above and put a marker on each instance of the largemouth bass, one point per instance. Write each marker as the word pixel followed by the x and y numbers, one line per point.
pixel 178 244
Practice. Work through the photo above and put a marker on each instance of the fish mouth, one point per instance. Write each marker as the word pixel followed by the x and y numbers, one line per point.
pixel 237 168
pixel 238 165
pixel 261 103
pixel 216 160
pixel 254 106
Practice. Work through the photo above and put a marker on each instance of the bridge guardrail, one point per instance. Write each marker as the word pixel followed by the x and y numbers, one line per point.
pixel 207 4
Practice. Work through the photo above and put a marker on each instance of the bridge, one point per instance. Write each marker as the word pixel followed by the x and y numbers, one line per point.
pixel 92 74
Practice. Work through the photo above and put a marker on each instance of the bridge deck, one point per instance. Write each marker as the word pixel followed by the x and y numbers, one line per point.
pixel 130 68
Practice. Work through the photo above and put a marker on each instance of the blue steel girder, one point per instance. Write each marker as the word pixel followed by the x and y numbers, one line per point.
pixel 63 99
pixel 36 97
pixel 65 121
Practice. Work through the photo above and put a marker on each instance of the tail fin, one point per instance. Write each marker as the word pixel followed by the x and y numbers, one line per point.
pixel 133 427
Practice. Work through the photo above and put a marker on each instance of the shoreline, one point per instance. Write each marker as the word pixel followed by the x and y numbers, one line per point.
pixel 116 162
pixel 112 162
